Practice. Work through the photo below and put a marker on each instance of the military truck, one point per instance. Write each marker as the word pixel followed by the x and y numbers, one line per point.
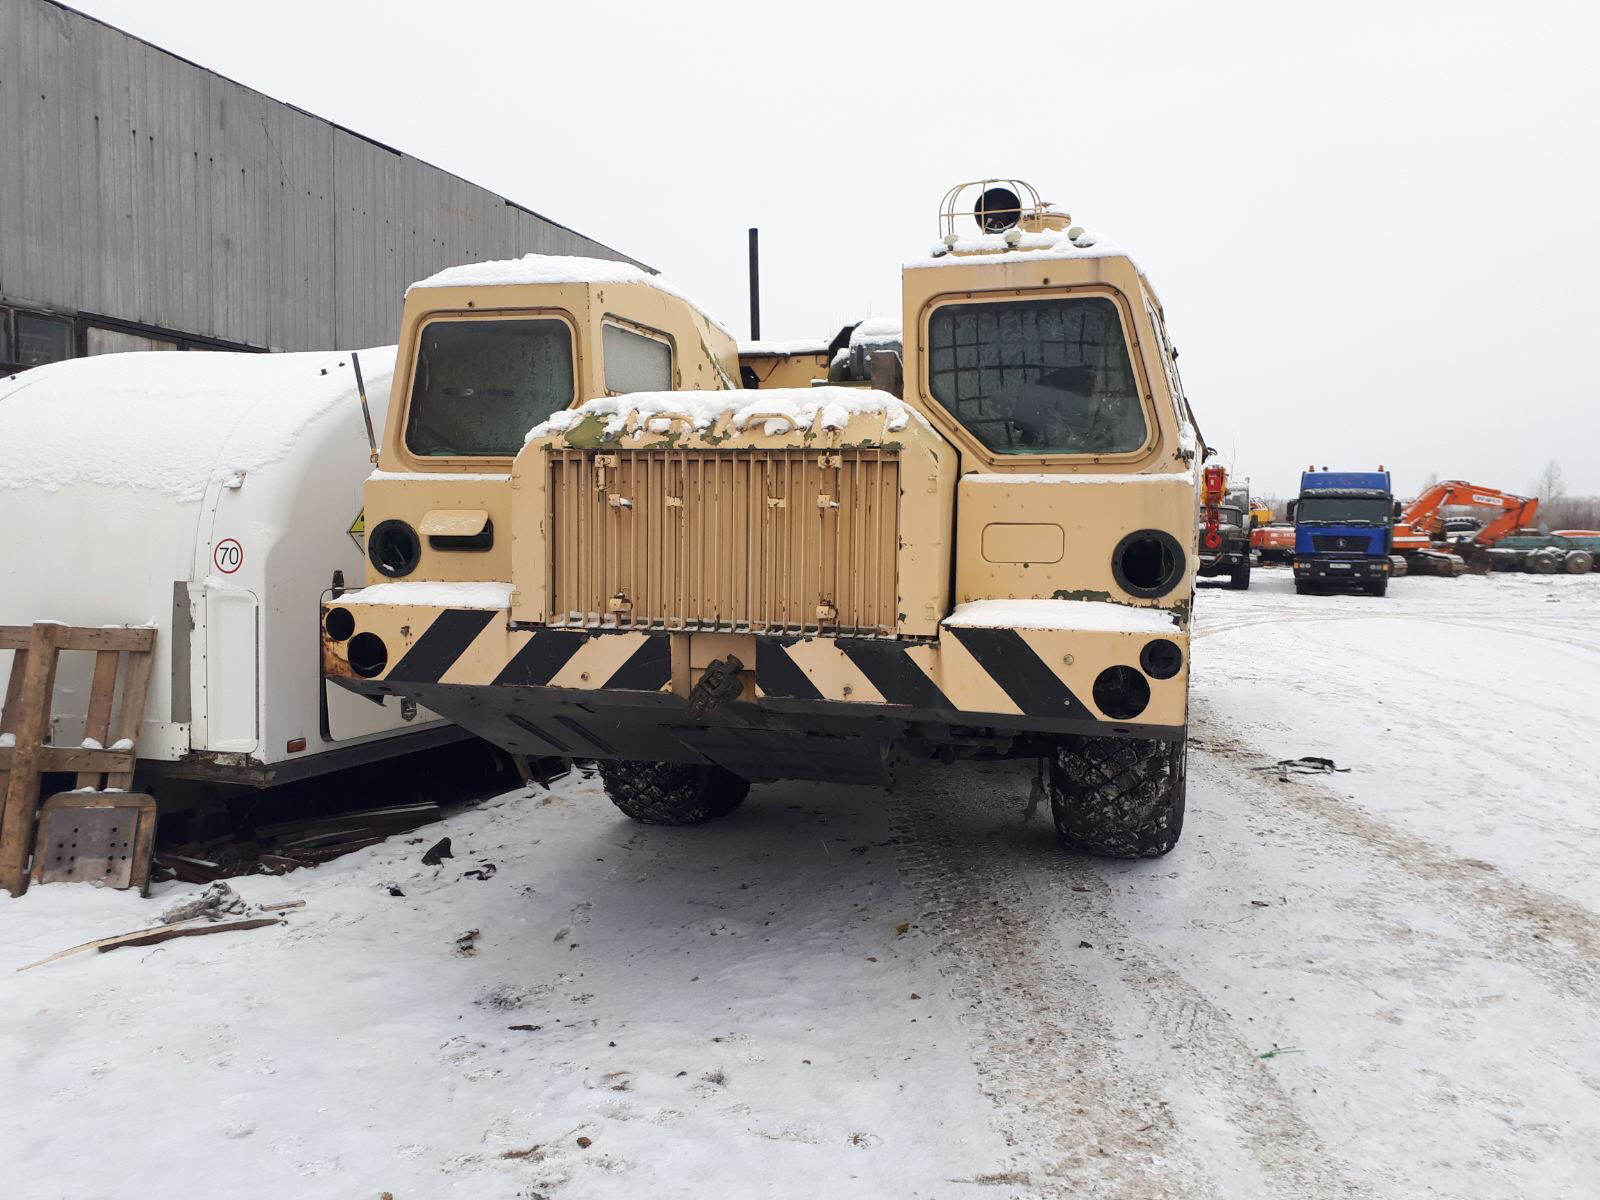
pixel 1225 524
pixel 701 589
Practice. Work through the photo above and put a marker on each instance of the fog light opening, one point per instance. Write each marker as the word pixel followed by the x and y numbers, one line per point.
pixel 367 655
pixel 1121 693
pixel 339 623
pixel 1161 659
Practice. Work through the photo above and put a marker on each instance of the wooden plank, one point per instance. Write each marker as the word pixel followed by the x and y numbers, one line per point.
pixel 75 758
pixel 136 641
pixel 105 941
pixel 153 937
pixel 144 845
pixel 97 723
pixel 19 668
pixel 30 723
pixel 130 713
pixel 8 717
pixel 16 637
pixel 399 815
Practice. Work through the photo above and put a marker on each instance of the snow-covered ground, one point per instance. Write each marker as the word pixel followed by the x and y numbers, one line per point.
pixel 1384 983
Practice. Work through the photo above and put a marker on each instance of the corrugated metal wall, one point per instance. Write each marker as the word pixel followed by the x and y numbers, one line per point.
pixel 138 186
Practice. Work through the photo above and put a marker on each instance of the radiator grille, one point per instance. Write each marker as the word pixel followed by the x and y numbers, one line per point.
pixel 741 540
pixel 1328 543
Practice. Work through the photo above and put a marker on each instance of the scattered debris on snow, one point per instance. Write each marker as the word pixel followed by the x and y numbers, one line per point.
pixel 1306 764
pixel 218 900
pixel 437 853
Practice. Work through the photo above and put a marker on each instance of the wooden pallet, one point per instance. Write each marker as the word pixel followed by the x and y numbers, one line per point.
pixel 124 653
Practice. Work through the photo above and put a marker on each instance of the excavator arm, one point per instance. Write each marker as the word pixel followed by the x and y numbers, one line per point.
pixel 1421 516
pixel 1515 511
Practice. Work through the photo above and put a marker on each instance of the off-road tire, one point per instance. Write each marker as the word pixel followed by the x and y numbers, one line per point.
pixel 1240 579
pixel 1302 588
pixel 659 793
pixel 1378 589
pixel 1118 797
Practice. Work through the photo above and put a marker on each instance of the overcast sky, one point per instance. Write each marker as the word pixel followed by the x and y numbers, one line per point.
pixel 1374 226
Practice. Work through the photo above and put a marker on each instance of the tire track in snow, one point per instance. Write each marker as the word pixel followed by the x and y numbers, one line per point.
pixel 1555 938
pixel 1561 632
pixel 1085 1119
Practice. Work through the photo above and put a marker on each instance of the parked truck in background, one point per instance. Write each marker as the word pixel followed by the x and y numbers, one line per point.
pixel 1343 528
pixel 1225 521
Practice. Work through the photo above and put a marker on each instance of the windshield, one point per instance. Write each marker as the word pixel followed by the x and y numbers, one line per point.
pixel 1344 510
pixel 481 385
pixel 1037 376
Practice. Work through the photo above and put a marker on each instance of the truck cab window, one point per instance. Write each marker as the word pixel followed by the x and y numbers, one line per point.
pixel 1038 376
pixel 1334 510
pixel 481 385
pixel 635 362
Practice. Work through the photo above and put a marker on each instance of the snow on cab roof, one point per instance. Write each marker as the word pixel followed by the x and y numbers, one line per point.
pixel 639 413
pixel 1023 247
pixel 540 268
pixel 780 349
pixel 876 331
pixel 534 269
pixel 170 422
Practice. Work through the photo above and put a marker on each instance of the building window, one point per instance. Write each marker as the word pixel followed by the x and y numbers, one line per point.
pixel 635 361
pixel 41 339
pixel 100 340
pixel 5 336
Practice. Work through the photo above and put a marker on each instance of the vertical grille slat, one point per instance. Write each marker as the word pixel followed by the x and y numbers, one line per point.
pixel 750 541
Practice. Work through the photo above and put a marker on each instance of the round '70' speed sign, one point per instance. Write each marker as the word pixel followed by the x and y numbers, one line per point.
pixel 228 556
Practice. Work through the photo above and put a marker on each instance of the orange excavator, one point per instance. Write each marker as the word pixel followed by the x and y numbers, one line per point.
pixel 1419 533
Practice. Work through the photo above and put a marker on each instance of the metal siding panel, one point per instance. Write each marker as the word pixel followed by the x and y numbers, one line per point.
pixel 197 205
pixel 11 142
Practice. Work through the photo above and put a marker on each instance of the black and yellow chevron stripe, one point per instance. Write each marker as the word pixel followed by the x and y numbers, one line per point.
pixel 1015 673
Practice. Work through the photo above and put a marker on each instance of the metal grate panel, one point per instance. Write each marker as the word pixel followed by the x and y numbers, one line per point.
pixel 740 540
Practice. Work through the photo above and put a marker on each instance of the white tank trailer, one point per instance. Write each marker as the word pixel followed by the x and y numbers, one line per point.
pixel 212 496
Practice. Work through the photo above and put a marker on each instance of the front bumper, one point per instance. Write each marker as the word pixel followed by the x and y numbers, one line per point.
pixel 624 693
pixel 1222 563
pixel 1337 570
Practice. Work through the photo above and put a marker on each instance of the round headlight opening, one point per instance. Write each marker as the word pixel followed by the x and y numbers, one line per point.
pixel 1148 563
pixel 1121 693
pixel 367 655
pixel 394 548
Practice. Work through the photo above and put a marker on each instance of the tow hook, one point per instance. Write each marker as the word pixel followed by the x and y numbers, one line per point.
pixel 717 686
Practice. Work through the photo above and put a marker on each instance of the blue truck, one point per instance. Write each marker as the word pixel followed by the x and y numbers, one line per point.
pixel 1343 531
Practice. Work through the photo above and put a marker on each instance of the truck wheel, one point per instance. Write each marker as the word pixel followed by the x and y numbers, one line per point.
pixel 1118 797
pixel 1240 580
pixel 672 793
pixel 1378 589
pixel 1302 587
